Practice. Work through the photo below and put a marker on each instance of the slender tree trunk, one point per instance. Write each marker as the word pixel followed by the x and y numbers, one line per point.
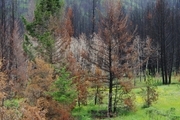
pixel 163 42
pixel 96 95
pixel 148 96
pixel 110 95
pixel 110 81
pixel 157 60
pixel 93 21
pixel 171 61
pixel 115 97
pixel 3 42
pixel 79 103
pixel 146 70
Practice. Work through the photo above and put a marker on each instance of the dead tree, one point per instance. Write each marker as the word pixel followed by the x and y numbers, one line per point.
pixel 113 50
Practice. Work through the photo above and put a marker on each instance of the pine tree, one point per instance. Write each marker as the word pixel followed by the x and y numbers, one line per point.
pixel 63 89
pixel 39 28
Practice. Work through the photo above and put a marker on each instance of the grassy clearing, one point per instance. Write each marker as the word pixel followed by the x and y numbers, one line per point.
pixel 166 108
pixel 168 99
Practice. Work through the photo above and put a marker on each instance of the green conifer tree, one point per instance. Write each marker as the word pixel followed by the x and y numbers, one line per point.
pixel 63 90
pixel 39 28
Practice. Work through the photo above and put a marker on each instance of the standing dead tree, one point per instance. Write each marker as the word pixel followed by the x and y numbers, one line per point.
pixel 112 51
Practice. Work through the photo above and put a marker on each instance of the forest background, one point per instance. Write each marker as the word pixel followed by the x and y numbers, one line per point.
pixel 60 53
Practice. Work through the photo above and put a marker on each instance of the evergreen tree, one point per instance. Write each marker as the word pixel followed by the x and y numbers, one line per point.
pixel 63 89
pixel 39 28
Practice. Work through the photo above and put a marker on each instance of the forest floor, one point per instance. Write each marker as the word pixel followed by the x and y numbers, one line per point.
pixel 167 107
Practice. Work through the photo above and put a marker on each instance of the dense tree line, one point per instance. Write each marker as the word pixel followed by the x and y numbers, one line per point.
pixel 146 16
pixel 86 13
pixel 159 21
pixel 11 29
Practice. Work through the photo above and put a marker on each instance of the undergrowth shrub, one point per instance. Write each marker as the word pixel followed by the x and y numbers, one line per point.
pixel 8 108
pixel 149 93
pixel 4 85
pixel 126 97
pixel 38 103
pixel 10 114
pixel 40 78
pixel 13 103
pixel 155 114
pixel 45 109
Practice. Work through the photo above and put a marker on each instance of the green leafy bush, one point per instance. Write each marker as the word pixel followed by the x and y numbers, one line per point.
pixel 11 103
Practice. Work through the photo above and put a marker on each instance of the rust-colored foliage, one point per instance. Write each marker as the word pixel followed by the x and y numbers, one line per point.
pixel 14 65
pixel 62 43
pixel 129 102
pixel 97 81
pixel 45 109
pixel 6 114
pixel 126 86
pixel 4 83
pixel 68 22
pixel 38 103
pixel 62 26
pixel 40 79
pixel 9 114
pixel 19 69
pixel 32 112
pixel 80 80
pixel 112 51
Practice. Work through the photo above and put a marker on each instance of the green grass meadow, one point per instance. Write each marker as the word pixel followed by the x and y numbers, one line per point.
pixel 167 107
pixel 168 99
